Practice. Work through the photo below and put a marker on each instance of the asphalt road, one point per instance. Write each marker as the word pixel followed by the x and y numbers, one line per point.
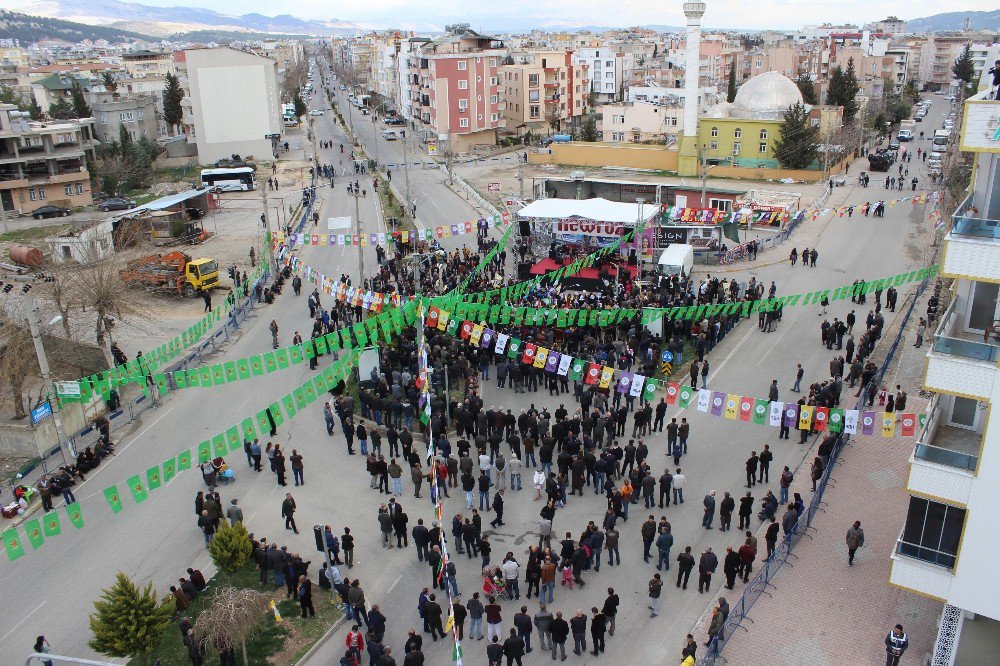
pixel 53 588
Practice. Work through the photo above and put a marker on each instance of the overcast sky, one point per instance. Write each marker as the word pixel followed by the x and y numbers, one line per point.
pixel 721 13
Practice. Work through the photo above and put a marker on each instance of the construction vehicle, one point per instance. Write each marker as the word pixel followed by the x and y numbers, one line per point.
pixel 176 272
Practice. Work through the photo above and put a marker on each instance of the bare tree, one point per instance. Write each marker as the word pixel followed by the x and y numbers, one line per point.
pixel 102 290
pixel 235 616
pixel 18 365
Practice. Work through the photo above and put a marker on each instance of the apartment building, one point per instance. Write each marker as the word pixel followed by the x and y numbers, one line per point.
pixel 947 548
pixel 938 54
pixel 44 163
pixel 218 126
pixel 641 122
pixel 139 64
pixel 606 68
pixel 544 92
pixel 139 114
pixel 455 88
pixel 50 89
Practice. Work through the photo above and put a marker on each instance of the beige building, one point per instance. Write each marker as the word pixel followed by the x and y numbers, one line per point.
pixel 234 103
pixel 545 92
pixel 44 163
pixel 640 122
pixel 14 55
pixel 138 113
pixel 139 64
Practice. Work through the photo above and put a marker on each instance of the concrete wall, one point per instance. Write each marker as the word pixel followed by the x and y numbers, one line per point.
pixel 22 440
pixel 608 155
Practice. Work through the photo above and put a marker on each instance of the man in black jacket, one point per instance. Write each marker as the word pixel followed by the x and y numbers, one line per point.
pixel 494 652
pixel 685 564
pixel 420 539
pixel 559 628
pixel 746 510
pixel 610 609
pixel 706 567
pixel 578 625
pixel 598 625
pixel 513 648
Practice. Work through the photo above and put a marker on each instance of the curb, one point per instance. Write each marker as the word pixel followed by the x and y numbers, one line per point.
pixel 311 652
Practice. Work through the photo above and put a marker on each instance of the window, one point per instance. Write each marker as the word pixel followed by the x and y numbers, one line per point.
pixel 618 136
pixel 932 532
pixel 763 135
pixel 494 99
pixel 609 75
pixel 495 117
pixel 140 114
pixel 725 205
pixel 533 80
pixel 532 95
pixel 738 133
pixel 31 193
pixel 618 120
pixel 608 63
pixel 463 65
pixel 715 132
pixel 493 62
pixel 494 81
pixel 463 122
pixel 736 148
pixel 463 104
pixel 533 111
pixel 463 84
pixel 68 189
pixel 126 117
pixel 79 188
pixel 713 145
pixel 762 147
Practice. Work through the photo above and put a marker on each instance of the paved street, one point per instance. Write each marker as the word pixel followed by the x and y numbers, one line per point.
pixel 53 587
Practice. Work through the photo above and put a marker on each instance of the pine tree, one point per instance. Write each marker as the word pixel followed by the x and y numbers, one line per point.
pixel 964 70
pixel 805 85
pixel 731 93
pixel 835 87
pixel 61 110
pixel 589 130
pixel 129 622
pixel 300 105
pixel 172 96
pixel 108 79
pixel 230 548
pixel 851 88
pixel 80 106
pixel 124 141
pixel 796 146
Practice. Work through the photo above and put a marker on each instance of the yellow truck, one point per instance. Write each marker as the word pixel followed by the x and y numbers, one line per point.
pixel 175 272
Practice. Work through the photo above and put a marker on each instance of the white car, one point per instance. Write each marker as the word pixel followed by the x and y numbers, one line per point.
pixel 389 135
pixel 316 112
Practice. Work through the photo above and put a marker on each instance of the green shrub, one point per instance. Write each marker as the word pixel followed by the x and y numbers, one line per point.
pixel 231 547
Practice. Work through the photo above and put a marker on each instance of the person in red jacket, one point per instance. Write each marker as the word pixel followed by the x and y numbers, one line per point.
pixel 355 642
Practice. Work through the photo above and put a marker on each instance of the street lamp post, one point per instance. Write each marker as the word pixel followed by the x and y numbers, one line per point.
pixel 361 248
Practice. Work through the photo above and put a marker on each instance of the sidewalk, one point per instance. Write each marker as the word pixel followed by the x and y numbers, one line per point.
pixel 821 611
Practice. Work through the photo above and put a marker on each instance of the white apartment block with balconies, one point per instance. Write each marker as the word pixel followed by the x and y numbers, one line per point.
pixel 948 547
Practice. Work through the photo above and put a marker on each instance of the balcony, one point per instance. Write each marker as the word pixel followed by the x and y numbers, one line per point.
pixel 945 457
pixel 911 572
pixel 960 362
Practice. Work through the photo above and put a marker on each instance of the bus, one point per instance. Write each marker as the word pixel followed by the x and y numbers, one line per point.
pixel 940 143
pixel 230 180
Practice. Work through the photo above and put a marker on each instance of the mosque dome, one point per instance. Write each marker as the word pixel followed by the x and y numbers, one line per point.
pixel 766 96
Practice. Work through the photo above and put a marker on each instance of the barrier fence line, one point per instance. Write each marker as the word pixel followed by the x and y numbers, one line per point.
pixel 759 584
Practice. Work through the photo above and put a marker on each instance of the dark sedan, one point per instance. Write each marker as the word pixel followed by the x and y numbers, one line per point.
pixel 116 203
pixel 51 211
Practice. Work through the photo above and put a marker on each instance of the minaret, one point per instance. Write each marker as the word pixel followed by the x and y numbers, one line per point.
pixel 692 66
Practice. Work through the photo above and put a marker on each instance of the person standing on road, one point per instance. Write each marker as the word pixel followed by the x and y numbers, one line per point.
pixel 896 643
pixel 678 487
pixel 274 334
pixel 297 468
pixel 855 539
pixel 476 612
pixel 559 628
pixel 234 513
pixel 709 504
pixel 764 466
pixel 655 587
pixel 598 627
pixel 288 513
pixel 578 625
pixel 706 567
pixel 543 623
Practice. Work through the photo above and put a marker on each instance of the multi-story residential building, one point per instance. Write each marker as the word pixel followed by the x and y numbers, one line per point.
pixel 938 55
pixel 14 55
pixel 219 127
pixel 139 114
pixel 455 86
pixel 606 68
pixel 50 89
pixel 139 64
pixel 44 163
pixel 287 54
pixel 947 548
pixel 545 91
pixel 641 122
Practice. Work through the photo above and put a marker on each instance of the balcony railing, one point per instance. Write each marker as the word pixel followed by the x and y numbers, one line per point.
pixel 946 343
pixel 954 447
pixel 925 554
pixel 966 223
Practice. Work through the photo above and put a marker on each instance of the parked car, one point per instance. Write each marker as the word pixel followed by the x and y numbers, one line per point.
pixel 50 211
pixel 395 120
pixel 389 135
pixel 893 144
pixel 116 203
pixel 316 112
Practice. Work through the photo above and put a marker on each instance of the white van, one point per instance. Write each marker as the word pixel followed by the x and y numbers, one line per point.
pixel 677 258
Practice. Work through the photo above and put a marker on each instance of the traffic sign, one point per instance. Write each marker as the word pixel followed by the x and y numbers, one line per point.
pixel 667 357
pixel 667 368
pixel 43 411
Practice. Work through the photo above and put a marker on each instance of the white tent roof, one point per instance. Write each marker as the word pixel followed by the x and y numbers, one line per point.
pixel 599 210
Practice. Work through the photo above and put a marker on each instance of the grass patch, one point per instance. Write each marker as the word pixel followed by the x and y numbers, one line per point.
pixel 32 233
pixel 175 174
pixel 280 642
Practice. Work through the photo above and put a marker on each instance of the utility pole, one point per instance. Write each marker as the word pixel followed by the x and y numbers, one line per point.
pixel 266 221
pixel 361 247
pixel 69 455
pixel 704 174
pixel 406 177
pixel 3 211
pixel 312 138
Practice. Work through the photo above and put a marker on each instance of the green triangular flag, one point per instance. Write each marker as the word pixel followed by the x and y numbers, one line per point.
pixel 275 411
pixel 649 390
pixel 231 373
pixel 169 470
pixel 243 368
pixel 270 362
pixel 114 499
pixel 836 421
pixel 684 396
pixel 300 398
pixel 262 422
pixel 33 530
pixel 256 365
pixel 12 542
pixel 308 351
pixel 138 491
pixel 321 344
pixel 233 439
pixel 75 515
pixel 576 368
pixel 289 402
pixel 309 391
pixel 760 412
pixel 205 451
pixel 153 478
pixel 219 446
pixel 295 354
pixel 50 523
pixel 319 383
pixel 218 374
pixel 184 461
pixel 205 376
pixel 282 357
pixel 360 334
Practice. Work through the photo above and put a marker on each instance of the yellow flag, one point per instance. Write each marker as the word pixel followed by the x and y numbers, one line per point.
pixel 888 424
pixel 443 320
pixel 450 624
pixel 732 405
pixel 477 333
pixel 540 357
pixel 405 236
pixel 805 417
pixel 277 615
pixel 607 374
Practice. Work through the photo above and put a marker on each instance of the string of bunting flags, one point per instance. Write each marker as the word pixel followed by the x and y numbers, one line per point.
pixel 220 445
pixel 404 236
